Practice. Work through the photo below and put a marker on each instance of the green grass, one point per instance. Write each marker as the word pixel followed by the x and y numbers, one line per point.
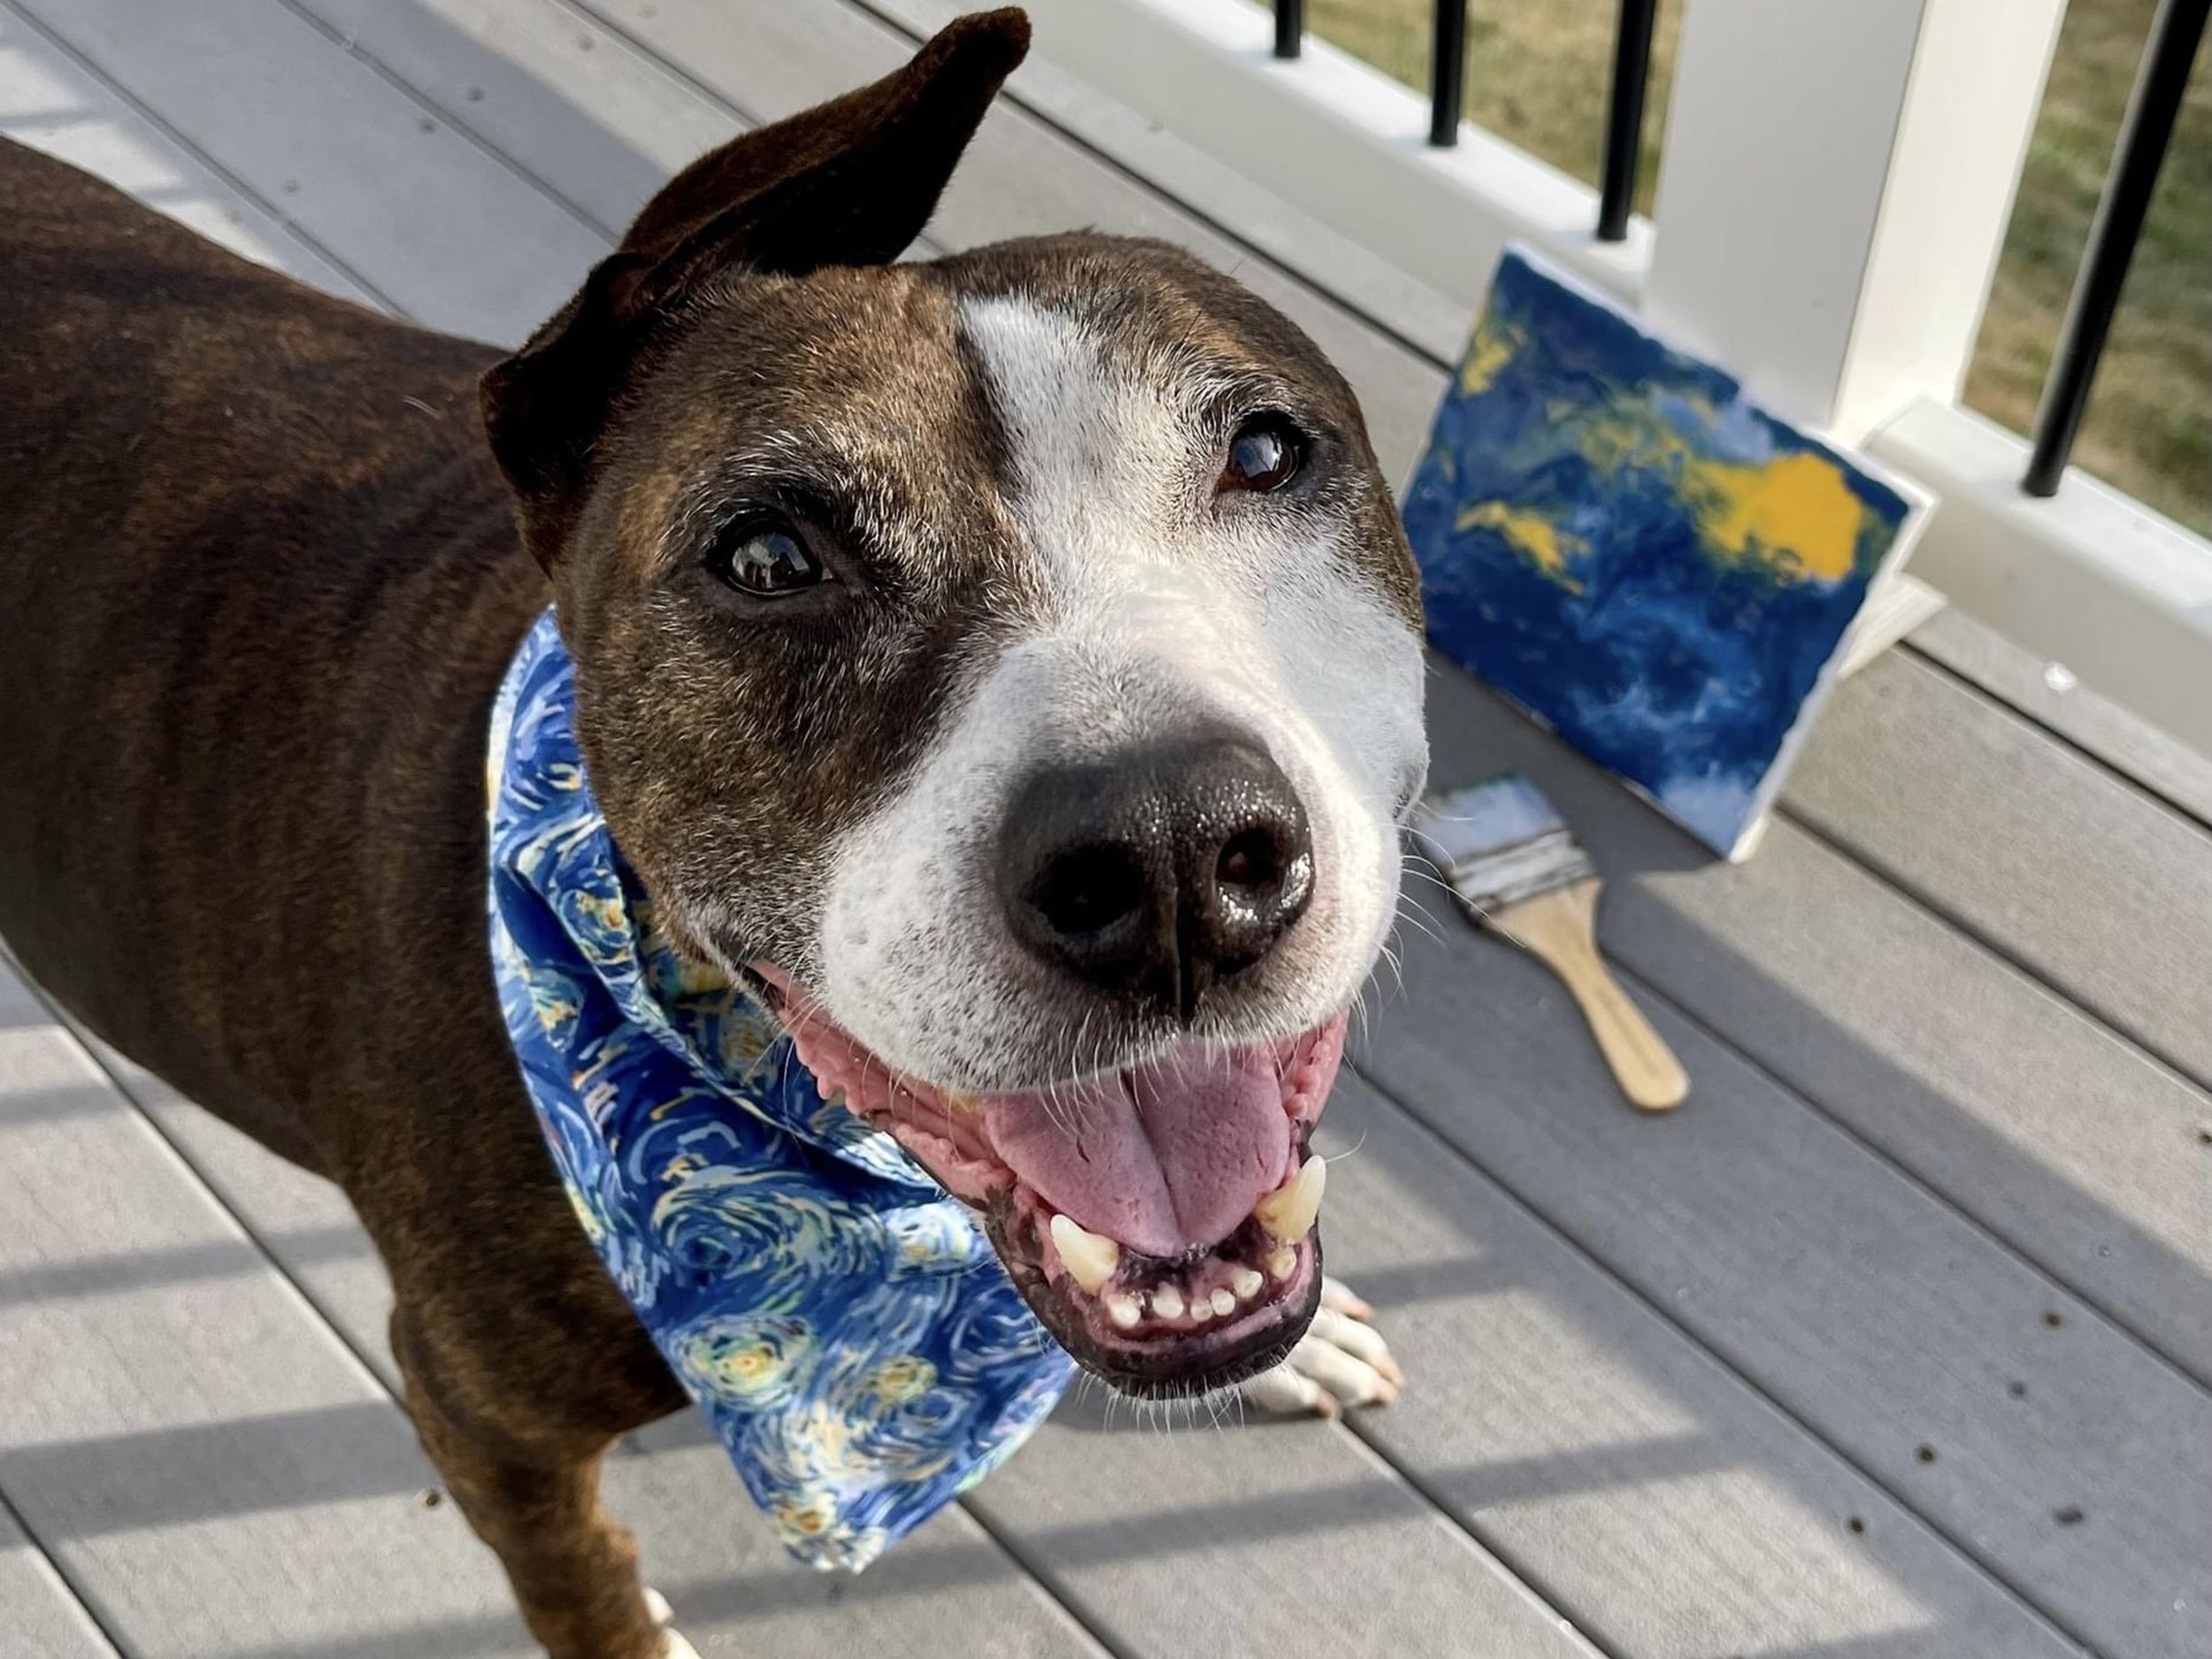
pixel 1537 73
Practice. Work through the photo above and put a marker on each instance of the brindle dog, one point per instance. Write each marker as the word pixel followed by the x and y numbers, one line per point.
pixel 1011 659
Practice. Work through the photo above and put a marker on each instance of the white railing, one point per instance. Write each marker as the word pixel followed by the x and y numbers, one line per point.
pixel 1834 190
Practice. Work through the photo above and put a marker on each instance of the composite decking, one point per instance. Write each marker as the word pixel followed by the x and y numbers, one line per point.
pixel 1894 1343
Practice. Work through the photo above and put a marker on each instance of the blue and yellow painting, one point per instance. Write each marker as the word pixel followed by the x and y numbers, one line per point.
pixel 1612 536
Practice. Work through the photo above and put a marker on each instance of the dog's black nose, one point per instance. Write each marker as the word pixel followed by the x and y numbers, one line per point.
pixel 1157 874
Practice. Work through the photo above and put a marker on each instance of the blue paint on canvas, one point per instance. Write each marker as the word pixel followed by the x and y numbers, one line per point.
pixel 1614 537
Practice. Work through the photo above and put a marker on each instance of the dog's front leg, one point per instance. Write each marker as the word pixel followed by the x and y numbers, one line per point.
pixel 1342 1361
pixel 534 1499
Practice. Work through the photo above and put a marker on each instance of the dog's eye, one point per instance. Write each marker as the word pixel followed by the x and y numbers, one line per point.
pixel 1265 455
pixel 763 558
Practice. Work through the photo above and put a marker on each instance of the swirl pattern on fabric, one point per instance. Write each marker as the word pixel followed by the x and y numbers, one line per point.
pixel 843 1324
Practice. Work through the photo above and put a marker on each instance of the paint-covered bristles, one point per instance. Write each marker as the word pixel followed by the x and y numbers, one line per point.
pixel 1499 841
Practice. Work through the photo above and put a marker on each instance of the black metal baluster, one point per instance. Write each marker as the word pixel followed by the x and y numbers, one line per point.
pixel 2145 135
pixel 1290 27
pixel 1447 65
pixel 1624 117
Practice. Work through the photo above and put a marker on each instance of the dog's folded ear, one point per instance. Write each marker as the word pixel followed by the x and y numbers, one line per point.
pixel 850 182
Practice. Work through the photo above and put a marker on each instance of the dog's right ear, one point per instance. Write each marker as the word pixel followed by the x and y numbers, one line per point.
pixel 850 182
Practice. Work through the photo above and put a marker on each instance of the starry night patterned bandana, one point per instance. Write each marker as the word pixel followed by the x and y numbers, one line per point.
pixel 842 1323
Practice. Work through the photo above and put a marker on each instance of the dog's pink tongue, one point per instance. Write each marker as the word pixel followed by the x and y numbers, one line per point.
pixel 1167 1159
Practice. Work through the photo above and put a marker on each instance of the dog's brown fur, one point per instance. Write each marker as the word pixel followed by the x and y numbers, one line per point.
pixel 259 577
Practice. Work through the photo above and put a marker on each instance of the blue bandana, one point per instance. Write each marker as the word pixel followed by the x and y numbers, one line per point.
pixel 842 1323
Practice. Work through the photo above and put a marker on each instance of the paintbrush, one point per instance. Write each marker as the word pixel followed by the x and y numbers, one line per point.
pixel 1517 868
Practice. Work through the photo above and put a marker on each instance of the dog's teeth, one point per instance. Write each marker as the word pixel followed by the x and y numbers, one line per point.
pixel 1290 1210
pixel 1167 1301
pixel 837 1097
pixel 961 1104
pixel 1246 1283
pixel 1122 1311
pixel 1201 1310
pixel 1224 1303
pixel 1089 1259
pixel 1282 1263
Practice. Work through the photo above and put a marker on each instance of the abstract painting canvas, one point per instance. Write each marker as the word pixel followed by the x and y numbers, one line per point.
pixel 1614 537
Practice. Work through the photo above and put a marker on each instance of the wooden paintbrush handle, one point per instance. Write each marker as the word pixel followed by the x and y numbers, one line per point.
pixel 1560 928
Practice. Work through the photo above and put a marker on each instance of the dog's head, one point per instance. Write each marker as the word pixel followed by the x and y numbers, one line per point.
pixel 1010 661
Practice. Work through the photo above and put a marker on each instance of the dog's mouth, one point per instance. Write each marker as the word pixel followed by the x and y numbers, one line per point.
pixel 1160 1220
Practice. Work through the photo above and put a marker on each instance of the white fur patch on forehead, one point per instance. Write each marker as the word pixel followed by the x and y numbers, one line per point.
pixel 1080 428
pixel 1156 600
pixel 1030 353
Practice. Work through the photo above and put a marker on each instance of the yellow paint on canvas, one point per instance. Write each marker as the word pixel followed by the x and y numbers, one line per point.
pixel 1800 503
pixel 1626 436
pixel 1490 350
pixel 1548 547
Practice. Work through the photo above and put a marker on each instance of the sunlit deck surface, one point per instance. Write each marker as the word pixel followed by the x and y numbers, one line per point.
pixel 1894 1343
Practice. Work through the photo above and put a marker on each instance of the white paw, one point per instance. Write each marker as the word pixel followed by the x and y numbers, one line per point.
pixel 1342 1361
pixel 673 1644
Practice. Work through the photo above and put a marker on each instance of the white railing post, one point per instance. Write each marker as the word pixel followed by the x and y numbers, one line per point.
pixel 1834 190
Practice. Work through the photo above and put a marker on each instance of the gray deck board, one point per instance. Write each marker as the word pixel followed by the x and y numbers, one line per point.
pixel 1252 1537
pixel 1653 1499
pixel 51 103
pixel 2102 728
pixel 2025 1113
pixel 948 1589
pixel 298 1220
pixel 210 1469
pixel 470 246
pixel 1660 1501
pixel 1658 1395
pixel 38 1613
pixel 1862 1304
pixel 2090 882
pixel 569 101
